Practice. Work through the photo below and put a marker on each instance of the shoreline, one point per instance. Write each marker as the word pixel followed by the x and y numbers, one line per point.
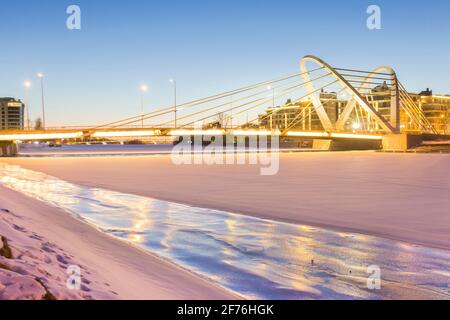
pixel 46 240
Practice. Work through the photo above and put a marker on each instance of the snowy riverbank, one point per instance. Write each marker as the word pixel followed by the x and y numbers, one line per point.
pixel 43 242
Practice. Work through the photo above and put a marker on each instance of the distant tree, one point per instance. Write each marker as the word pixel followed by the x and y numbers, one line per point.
pixel 38 124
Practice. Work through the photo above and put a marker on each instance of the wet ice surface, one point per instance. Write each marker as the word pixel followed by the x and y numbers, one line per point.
pixel 257 258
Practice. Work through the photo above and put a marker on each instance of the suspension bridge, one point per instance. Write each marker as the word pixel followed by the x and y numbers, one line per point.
pixel 319 101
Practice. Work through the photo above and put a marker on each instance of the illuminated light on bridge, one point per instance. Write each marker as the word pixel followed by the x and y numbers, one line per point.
pixel 196 132
pixel 356 136
pixel 255 132
pixel 124 134
pixel 218 132
pixel 308 134
pixel 40 136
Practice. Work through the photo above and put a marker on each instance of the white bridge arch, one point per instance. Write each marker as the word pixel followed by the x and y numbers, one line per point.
pixel 357 98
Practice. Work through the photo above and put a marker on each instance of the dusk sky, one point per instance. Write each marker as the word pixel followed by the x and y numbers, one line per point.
pixel 93 74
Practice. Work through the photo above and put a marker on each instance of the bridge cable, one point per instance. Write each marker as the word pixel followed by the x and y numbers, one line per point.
pixel 299 99
pixel 296 87
pixel 268 99
pixel 209 98
pixel 230 102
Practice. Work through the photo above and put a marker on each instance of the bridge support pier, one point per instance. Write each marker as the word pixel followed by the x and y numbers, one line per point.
pixel 401 141
pixel 8 149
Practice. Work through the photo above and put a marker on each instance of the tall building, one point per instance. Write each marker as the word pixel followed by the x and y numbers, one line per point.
pixel 11 114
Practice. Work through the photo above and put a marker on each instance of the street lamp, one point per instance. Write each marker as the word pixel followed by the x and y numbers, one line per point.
pixel 27 85
pixel 356 126
pixel 174 82
pixel 144 89
pixel 41 76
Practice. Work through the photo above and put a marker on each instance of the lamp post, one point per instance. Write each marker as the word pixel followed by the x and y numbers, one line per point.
pixel 27 85
pixel 273 104
pixel 231 112
pixel 144 89
pixel 174 82
pixel 41 76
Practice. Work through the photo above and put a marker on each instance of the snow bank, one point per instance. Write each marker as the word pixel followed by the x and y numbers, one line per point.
pixel 46 242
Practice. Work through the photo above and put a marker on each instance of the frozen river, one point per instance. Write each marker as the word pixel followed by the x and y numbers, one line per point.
pixel 254 257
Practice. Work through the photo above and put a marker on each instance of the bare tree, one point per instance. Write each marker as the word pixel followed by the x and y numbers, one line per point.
pixel 38 124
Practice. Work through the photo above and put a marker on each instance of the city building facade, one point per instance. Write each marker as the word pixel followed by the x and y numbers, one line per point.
pixel 11 114
pixel 436 109
pixel 302 116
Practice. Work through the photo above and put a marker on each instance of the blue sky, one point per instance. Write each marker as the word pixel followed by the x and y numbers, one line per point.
pixel 93 74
